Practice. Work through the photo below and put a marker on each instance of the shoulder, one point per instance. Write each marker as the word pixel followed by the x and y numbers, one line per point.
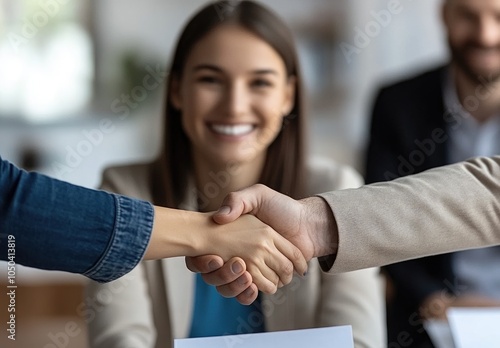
pixel 131 180
pixel 325 175
pixel 421 81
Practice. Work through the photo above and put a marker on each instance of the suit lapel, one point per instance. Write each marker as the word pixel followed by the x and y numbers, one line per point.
pixel 431 119
pixel 441 157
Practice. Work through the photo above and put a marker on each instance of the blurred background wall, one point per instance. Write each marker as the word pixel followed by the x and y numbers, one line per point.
pixel 72 99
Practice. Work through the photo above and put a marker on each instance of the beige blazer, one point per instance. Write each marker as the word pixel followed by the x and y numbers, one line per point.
pixel 154 303
pixel 445 209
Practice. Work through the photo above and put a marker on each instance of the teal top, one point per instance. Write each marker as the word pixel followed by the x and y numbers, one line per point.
pixel 215 315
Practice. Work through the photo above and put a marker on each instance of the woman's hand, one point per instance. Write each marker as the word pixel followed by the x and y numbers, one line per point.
pixel 269 257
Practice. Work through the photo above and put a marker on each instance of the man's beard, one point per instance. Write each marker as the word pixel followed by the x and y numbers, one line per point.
pixel 476 75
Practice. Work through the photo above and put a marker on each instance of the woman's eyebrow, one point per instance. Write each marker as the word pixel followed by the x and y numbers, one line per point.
pixel 265 71
pixel 218 69
pixel 208 66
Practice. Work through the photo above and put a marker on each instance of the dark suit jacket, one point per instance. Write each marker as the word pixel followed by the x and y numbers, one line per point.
pixel 409 135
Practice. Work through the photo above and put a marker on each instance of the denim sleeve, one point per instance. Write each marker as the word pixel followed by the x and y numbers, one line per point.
pixel 59 226
pixel 132 231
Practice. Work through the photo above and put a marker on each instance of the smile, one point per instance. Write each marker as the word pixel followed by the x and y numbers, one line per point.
pixel 233 129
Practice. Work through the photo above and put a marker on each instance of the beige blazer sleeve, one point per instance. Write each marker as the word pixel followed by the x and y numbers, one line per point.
pixel 446 209
pixel 353 298
pixel 122 313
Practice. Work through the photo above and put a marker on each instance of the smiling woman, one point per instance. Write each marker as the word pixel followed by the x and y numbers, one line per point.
pixel 233 95
pixel 234 117
pixel 242 63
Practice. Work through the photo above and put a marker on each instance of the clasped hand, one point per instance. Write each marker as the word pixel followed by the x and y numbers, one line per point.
pixel 306 224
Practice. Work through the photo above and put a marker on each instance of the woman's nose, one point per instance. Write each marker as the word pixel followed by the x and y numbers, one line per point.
pixel 237 99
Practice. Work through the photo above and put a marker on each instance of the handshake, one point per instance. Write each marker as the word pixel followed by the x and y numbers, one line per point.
pixel 262 237
pixel 259 237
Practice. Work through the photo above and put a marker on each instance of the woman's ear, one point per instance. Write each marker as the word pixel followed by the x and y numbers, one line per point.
pixel 175 93
pixel 290 91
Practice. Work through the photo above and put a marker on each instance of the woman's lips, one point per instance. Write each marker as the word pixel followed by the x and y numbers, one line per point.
pixel 232 129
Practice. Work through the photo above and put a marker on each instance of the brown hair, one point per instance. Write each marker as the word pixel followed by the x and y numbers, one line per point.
pixel 284 167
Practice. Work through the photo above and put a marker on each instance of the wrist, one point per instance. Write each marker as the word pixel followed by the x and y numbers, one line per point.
pixel 177 233
pixel 321 226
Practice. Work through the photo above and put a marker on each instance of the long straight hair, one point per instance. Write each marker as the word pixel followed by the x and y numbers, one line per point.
pixel 284 165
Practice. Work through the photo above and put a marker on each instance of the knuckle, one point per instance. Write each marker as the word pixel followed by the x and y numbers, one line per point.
pixel 223 279
pixel 263 245
pixel 234 288
pixel 266 287
pixel 244 300
pixel 287 269
pixel 268 230
pixel 209 280
pixel 297 255
pixel 225 276
pixel 273 288
pixel 223 290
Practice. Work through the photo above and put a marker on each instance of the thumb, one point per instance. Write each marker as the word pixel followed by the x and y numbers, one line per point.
pixel 232 208
pixel 238 203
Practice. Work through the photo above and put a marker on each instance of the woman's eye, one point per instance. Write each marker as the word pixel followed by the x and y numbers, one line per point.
pixel 261 83
pixel 468 16
pixel 209 79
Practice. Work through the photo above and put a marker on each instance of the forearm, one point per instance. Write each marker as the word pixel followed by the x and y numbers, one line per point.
pixel 59 226
pixel 438 211
pixel 178 233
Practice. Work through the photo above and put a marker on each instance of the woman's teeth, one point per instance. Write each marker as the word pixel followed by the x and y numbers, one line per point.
pixel 234 130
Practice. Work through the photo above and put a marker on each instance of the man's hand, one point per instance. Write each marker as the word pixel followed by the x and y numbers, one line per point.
pixel 231 278
pixel 308 223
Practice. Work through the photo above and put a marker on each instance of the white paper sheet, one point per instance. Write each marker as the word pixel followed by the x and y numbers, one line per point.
pixel 475 327
pixel 338 337
pixel 440 333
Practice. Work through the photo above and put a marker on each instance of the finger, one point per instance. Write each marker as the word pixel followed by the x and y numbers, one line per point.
pixel 228 273
pixel 204 264
pixel 236 287
pixel 282 267
pixel 249 295
pixel 265 278
pixel 293 254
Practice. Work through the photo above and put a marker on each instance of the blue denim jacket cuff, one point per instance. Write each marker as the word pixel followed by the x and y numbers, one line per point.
pixel 132 231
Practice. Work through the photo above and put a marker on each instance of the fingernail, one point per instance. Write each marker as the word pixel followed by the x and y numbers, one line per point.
pixel 213 265
pixel 236 268
pixel 225 210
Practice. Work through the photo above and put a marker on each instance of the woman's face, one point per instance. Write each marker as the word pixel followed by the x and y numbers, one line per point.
pixel 233 94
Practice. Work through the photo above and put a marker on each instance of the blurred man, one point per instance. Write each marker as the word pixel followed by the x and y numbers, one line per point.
pixel 439 117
